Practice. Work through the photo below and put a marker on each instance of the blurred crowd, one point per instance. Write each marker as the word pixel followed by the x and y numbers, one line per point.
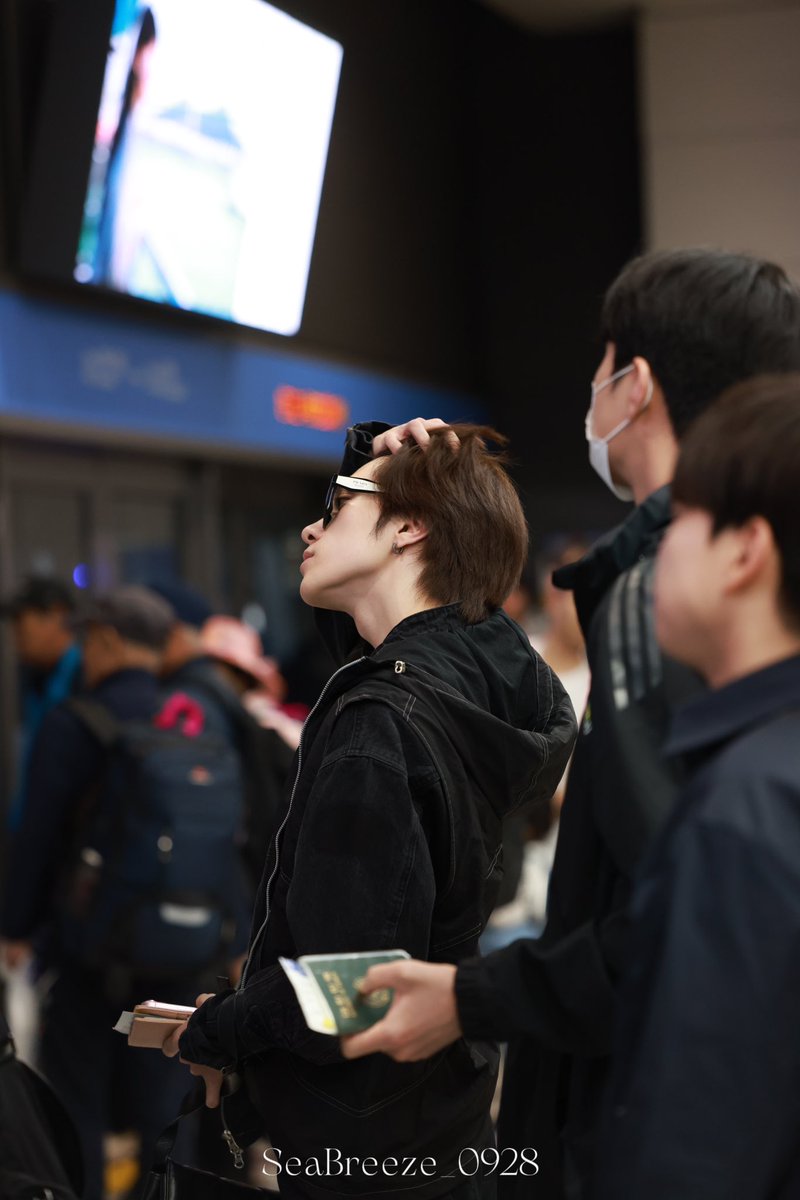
pixel 135 653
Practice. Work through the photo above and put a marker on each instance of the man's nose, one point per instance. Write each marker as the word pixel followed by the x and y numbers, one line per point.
pixel 312 532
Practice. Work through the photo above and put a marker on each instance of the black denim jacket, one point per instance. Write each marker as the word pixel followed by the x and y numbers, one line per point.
pixel 392 838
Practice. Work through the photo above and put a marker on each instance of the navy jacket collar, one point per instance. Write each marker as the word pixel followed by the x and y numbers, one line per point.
pixel 717 716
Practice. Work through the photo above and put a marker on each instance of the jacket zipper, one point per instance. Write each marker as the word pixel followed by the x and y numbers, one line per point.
pixel 263 925
pixel 235 1149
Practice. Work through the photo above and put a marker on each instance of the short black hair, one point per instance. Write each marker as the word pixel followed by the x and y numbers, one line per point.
pixel 704 319
pixel 137 614
pixel 40 593
pixel 741 459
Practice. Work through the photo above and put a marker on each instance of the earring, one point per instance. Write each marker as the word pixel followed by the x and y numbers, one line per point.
pixel 397 549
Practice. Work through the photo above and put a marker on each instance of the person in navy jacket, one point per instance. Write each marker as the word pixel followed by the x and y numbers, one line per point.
pixel 704 1101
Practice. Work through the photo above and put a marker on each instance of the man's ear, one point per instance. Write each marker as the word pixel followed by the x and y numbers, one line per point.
pixel 753 553
pixel 410 532
pixel 640 389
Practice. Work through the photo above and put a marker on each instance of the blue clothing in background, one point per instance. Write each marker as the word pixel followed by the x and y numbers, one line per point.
pixel 61 683
pixel 66 761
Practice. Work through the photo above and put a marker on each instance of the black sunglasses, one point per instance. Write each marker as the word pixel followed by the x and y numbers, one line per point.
pixel 351 483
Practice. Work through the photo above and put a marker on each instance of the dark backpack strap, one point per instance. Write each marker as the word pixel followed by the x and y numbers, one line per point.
pixel 101 723
pixel 165 1143
pixel 240 1119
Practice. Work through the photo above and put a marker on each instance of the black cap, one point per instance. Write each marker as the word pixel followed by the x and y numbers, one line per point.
pixel 137 614
pixel 191 608
pixel 40 592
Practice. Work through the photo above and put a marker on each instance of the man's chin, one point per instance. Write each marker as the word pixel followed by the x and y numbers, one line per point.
pixel 308 593
pixel 316 597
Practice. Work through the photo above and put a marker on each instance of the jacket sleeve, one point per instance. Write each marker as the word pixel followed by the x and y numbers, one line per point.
pixel 559 992
pixel 362 880
pixel 703 1102
pixel 65 762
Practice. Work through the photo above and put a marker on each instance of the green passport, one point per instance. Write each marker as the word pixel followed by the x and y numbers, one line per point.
pixel 326 986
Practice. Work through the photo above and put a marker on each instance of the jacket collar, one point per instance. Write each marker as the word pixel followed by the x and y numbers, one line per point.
pixel 719 715
pixel 637 537
pixel 431 620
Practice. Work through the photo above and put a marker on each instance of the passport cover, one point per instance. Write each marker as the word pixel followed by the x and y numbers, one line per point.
pixel 326 986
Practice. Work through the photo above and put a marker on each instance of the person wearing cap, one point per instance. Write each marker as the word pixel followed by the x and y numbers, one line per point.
pixel 46 648
pixel 267 734
pixel 237 652
pixel 123 635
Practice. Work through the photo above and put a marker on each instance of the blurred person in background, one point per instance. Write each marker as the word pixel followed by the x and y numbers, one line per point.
pixel 217 660
pixel 50 656
pixel 561 643
pixel 269 738
pixel 124 633
pixel 529 839
pixel 255 677
pixel 522 605
pixel 562 647
pixel 46 647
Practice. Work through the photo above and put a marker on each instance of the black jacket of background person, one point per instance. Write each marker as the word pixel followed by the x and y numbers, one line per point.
pixel 67 761
pixel 704 1096
pixel 266 759
pixel 392 839
pixel 555 997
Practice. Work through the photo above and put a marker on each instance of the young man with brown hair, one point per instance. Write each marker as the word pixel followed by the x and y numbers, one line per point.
pixel 413 754
pixel 704 1100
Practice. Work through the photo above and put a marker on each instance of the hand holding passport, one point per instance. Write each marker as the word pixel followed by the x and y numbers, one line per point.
pixel 327 990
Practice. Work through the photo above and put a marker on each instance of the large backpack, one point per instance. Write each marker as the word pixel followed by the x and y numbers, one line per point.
pixel 156 882
pixel 266 764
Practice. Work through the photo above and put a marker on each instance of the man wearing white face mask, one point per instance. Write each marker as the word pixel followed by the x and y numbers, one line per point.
pixel 599 455
pixel 679 327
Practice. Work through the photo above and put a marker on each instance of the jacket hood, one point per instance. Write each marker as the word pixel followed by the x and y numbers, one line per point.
pixel 503 711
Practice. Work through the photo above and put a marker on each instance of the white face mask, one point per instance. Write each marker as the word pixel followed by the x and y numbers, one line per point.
pixel 598 447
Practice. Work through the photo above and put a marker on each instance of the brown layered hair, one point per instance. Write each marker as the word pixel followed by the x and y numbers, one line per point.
pixel 477 542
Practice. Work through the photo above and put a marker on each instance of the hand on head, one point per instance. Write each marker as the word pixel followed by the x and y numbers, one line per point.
pixel 415 430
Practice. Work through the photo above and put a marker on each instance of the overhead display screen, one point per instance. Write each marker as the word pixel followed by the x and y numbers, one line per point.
pixel 209 154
